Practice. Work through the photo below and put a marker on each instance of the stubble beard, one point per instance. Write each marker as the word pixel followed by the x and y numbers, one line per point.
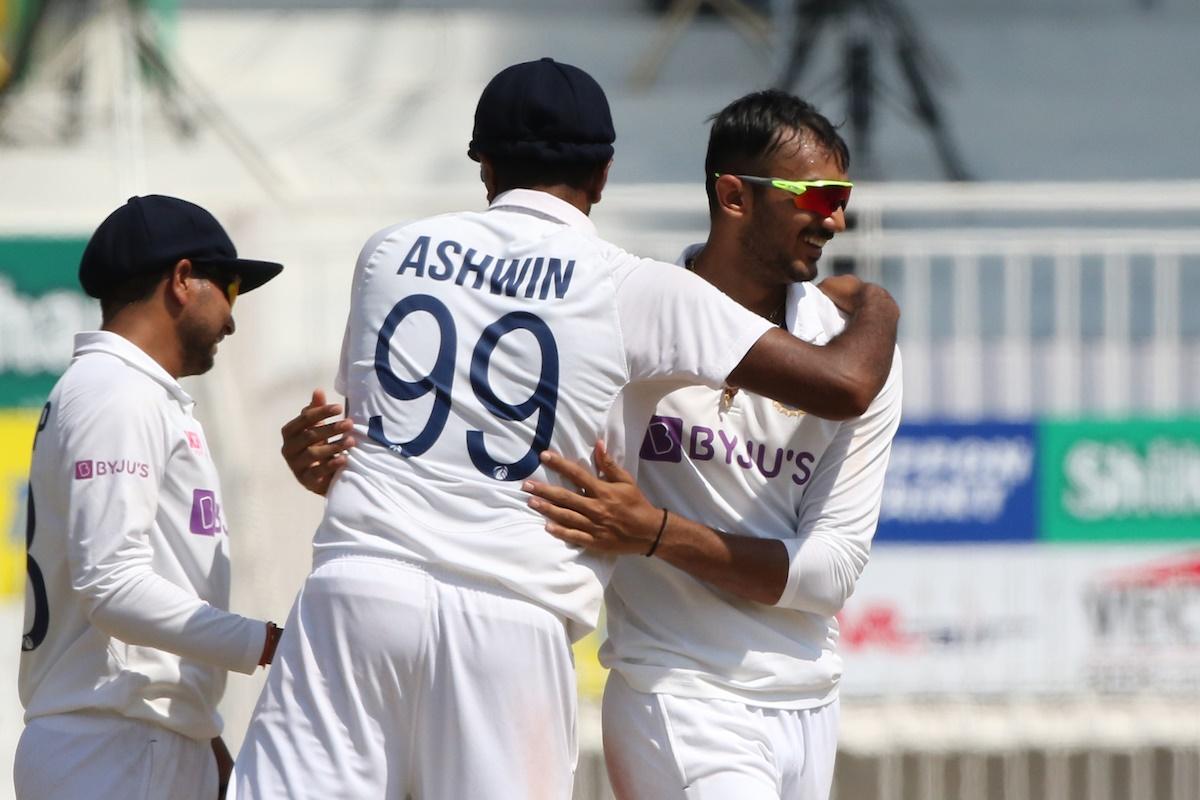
pixel 772 264
pixel 198 348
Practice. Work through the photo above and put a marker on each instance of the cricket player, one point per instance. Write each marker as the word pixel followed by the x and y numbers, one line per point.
pixel 723 647
pixel 428 653
pixel 127 638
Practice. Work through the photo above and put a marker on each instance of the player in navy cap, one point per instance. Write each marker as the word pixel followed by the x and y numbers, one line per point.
pixel 543 111
pixel 127 639
pixel 428 653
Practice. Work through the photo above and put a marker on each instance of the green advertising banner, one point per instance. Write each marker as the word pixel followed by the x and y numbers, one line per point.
pixel 1129 480
pixel 15 21
pixel 41 310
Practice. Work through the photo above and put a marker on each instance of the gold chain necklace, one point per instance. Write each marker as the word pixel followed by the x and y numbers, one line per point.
pixel 775 318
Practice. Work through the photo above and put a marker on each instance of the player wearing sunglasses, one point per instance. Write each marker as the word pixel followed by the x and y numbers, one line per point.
pixel 822 198
pixel 229 284
pixel 723 645
pixel 127 635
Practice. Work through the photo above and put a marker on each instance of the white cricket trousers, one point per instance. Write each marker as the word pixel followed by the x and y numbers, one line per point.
pixel 90 756
pixel 392 682
pixel 663 747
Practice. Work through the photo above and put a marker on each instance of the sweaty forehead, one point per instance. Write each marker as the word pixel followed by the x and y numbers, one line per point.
pixel 800 156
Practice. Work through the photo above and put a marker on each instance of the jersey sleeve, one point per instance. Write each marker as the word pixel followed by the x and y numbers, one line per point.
pixel 677 325
pixel 840 507
pixel 109 551
pixel 341 380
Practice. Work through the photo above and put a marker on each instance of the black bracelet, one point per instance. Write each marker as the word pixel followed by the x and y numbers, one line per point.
pixel 658 538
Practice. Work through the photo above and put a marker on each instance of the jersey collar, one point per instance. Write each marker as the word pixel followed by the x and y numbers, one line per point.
pixel 116 345
pixel 544 205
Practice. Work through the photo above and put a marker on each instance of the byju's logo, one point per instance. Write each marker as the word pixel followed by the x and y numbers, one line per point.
pixel 98 468
pixel 206 513
pixel 664 440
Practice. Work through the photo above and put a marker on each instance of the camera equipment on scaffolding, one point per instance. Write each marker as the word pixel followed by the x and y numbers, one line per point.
pixel 863 24
pixel 745 18
pixel 117 44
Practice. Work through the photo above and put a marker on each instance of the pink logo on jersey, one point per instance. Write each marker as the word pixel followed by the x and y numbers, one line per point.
pixel 206 513
pixel 194 440
pixel 102 467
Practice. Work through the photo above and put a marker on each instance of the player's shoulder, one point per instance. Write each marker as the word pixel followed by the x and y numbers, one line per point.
pixel 815 318
pixel 896 376
pixel 890 399
pixel 98 384
pixel 655 271
pixel 410 229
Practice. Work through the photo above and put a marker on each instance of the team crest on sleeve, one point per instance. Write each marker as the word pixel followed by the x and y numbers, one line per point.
pixel 86 469
pixel 194 441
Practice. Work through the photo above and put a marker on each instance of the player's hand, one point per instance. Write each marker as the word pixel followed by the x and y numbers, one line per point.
pixel 313 448
pixel 608 515
pixel 846 292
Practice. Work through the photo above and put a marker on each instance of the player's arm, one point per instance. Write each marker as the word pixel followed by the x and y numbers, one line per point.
pixel 611 515
pixel 840 508
pixel 816 571
pixel 314 442
pixel 840 379
pixel 677 326
pixel 313 446
pixel 109 553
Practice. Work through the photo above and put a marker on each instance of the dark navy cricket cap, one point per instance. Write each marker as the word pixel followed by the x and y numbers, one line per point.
pixel 543 111
pixel 151 234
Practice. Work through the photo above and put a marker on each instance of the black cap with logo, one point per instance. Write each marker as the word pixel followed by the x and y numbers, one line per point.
pixel 152 234
pixel 543 111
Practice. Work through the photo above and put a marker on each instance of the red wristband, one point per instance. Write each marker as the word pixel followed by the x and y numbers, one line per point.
pixel 272 641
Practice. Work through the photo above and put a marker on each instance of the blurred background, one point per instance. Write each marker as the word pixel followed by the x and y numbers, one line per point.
pixel 1028 187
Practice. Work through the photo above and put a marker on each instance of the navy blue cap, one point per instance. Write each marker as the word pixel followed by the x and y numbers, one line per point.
pixel 543 111
pixel 152 234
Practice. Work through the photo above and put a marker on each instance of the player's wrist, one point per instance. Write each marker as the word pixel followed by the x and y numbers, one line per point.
pixel 269 644
pixel 662 526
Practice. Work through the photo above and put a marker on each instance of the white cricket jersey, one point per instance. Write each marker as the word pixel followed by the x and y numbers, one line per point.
pixel 476 340
pixel 128 551
pixel 754 467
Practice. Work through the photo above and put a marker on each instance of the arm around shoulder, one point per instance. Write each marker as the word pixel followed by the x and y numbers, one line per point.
pixel 838 380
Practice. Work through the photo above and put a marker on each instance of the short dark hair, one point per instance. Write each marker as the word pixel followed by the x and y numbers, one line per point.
pixel 527 173
pixel 128 292
pixel 752 128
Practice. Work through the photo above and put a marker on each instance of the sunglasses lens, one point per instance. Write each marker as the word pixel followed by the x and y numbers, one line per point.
pixel 232 289
pixel 823 200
